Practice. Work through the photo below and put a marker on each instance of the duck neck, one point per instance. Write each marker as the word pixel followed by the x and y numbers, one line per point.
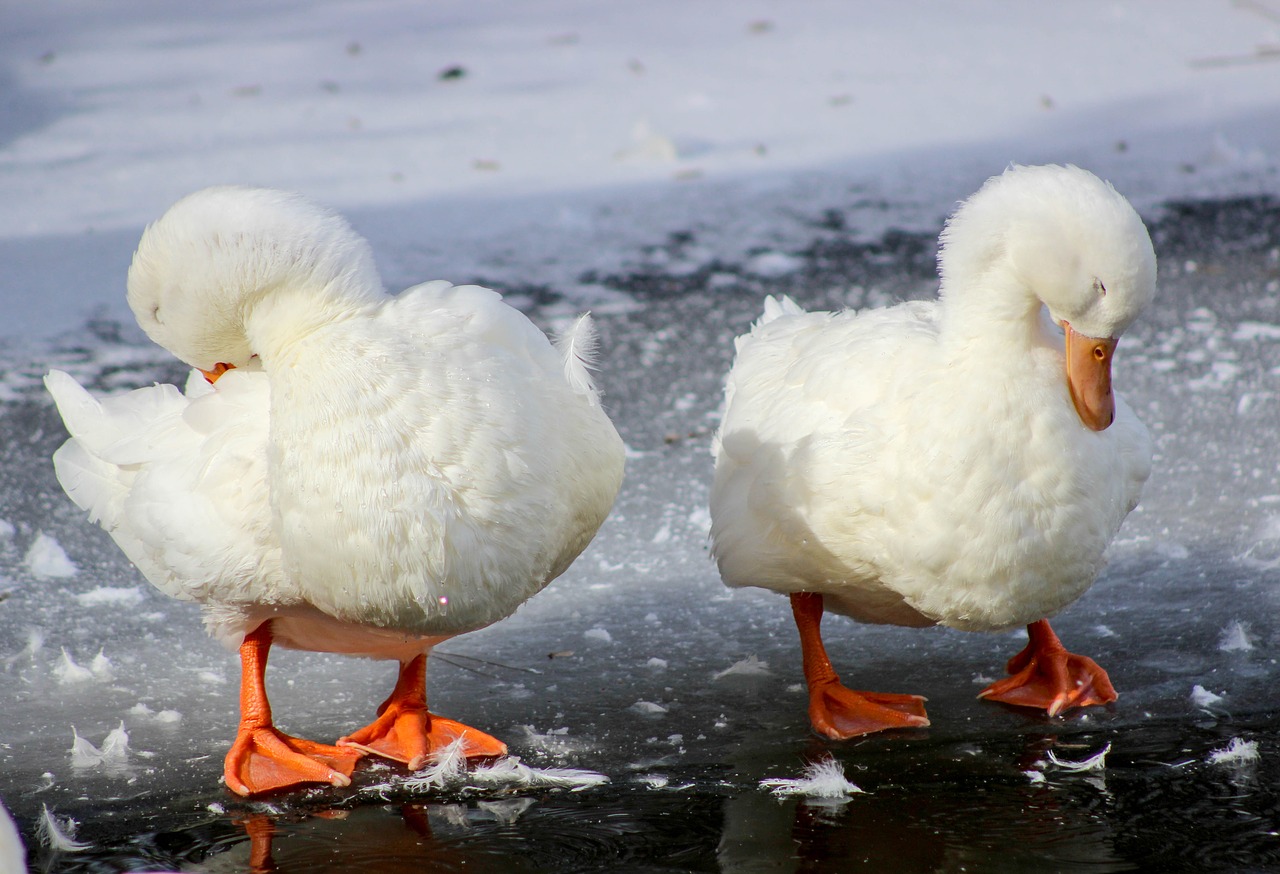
pixel 993 307
pixel 283 318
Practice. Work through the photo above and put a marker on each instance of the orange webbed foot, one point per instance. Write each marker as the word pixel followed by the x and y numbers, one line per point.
pixel 1047 677
pixel 841 713
pixel 405 731
pixel 264 759
pixel 412 736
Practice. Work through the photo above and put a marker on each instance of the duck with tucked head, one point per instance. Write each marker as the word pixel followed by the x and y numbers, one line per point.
pixel 960 462
pixel 353 473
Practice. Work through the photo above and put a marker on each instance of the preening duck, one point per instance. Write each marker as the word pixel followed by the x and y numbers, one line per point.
pixel 960 462
pixel 347 471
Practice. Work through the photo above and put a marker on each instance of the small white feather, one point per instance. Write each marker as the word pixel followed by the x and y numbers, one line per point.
pixel 447 767
pixel 821 779
pixel 510 771
pixel 58 834
pixel 1096 762
pixel 1238 752
pixel 579 347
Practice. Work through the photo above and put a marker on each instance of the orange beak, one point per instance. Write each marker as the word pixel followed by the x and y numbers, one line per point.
pixel 218 370
pixel 1089 378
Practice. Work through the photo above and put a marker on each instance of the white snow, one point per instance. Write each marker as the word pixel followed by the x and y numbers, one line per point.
pixel 120 596
pixel 46 559
pixel 599 634
pixel 823 778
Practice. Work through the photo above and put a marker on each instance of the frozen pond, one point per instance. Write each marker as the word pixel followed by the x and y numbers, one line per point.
pixel 638 665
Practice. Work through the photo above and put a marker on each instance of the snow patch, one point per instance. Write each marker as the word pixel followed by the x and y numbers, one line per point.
pixel 1246 331
pixel 773 264
pixel 598 633
pixel 821 779
pixel 47 560
pixel 120 596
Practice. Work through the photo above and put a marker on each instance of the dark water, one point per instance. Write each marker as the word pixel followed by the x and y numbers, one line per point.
pixel 1159 805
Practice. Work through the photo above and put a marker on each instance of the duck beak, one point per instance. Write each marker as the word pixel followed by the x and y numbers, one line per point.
pixel 218 369
pixel 1089 378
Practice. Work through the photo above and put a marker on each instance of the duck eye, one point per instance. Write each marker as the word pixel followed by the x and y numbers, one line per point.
pixel 1099 288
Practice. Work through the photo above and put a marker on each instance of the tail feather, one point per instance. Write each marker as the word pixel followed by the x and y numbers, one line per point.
pixel 777 307
pixel 578 347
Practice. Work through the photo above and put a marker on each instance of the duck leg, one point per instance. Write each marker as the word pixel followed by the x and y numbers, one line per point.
pixel 407 732
pixel 834 710
pixel 1046 676
pixel 263 758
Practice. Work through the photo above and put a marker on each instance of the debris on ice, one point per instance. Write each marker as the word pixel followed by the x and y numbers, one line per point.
pixel 751 666
pixel 1238 752
pixel 821 779
pixel 1096 762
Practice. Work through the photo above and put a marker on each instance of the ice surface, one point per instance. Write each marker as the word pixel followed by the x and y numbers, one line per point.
pixel 667 166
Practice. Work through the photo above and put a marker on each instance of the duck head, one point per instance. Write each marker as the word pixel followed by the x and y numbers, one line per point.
pixel 1062 239
pixel 202 270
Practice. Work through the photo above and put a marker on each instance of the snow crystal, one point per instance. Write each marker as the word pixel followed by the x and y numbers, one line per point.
pixel 821 779
pixel 663 534
pixel 751 666
pixel 1235 638
pixel 121 596
pixel 1096 762
pixel 598 633
pixel 1238 752
pixel 59 834
pixel 46 559
pixel 1202 697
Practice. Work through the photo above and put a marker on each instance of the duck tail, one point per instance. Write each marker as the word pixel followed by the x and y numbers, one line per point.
pixel 776 307
pixel 578 347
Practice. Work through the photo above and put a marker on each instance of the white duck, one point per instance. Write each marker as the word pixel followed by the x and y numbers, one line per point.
pixel 946 462
pixel 369 475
